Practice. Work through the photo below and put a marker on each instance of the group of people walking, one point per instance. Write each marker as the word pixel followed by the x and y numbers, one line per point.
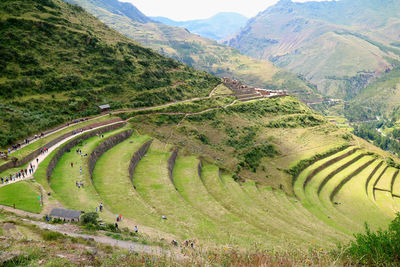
pixel 20 174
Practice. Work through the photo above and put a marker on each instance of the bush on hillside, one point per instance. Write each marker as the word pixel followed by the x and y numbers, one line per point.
pixel 380 248
pixel 89 218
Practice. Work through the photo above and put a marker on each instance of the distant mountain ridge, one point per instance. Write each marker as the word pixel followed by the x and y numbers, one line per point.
pixel 200 52
pixel 216 27
pixel 339 45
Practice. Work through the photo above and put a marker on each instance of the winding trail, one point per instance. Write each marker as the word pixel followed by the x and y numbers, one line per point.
pixel 43 156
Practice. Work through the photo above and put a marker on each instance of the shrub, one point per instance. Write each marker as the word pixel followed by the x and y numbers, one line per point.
pixel 51 236
pixel 89 218
pixel 380 248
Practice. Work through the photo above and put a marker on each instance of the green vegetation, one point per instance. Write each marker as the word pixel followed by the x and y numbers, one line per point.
pixel 23 152
pixel 196 51
pixel 341 46
pixel 74 63
pixel 376 248
pixel 368 131
pixel 64 177
pixel 90 218
pixel 25 195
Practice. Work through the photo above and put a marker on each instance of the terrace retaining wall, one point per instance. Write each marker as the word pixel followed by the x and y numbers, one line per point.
pixel 36 153
pixel 137 157
pixel 75 142
pixel 341 168
pixel 171 164
pixel 105 146
pixel 326 164
pixel 348 178
pixel 372 175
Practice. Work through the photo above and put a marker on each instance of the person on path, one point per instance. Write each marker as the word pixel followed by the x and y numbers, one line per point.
pixel 136 229
pixel 116 225
pixel 101 207
pixel 37 160
pixel 96 209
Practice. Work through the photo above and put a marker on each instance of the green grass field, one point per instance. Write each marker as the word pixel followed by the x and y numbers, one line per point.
pixel 25 195
pixel 64 177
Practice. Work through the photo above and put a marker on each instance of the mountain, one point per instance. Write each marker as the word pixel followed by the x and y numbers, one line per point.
pixel 57 62
pixel 217 27
pixel 339 45
pixel 199 52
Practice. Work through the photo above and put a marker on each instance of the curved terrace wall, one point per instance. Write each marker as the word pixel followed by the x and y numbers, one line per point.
pixel 53 162
pixel 171 164
pixel 348 178
pixel 316 158
pixel 137 157
pixel 36 153
pixel 372 175
pixel 326 164
pixel 105 146
pixel 341 168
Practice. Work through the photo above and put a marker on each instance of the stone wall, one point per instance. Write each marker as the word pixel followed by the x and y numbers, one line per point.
pixel 36 153
pixel 326 164
pixel 137 157
pixel 171 164
pixel 348 178
pixel 75 142
pixel 105 146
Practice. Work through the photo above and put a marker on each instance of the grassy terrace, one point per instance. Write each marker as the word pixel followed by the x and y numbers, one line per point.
pixel 302 178
pixel 331 185
pixel 290 213
pixel 355 203
pixel 155 187
pixel 374 178
pixel 385 202
pixel 313 201
pixel 191 188
pixel 385 182
pixel 64 177
pixel 23 194
pixel 396 185
pixel 112 182
pixel 23 152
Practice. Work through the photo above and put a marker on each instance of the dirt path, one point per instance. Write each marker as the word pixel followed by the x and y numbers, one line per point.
pixel 43 156
pixel 132 246
pixel 50 132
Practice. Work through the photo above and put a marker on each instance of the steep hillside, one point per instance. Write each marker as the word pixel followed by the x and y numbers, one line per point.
pixel 217 27
pixel 381 98
pixel 338 45
pixel 58 63
pixel 201 53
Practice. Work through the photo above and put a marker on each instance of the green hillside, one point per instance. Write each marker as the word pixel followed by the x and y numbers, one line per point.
pixel 340 45
pixel 199 52
pixel 58 63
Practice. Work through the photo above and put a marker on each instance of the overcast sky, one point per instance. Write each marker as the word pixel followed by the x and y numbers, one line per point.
pixel 200 9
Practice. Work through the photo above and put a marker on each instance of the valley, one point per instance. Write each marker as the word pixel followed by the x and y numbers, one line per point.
pixel 113 154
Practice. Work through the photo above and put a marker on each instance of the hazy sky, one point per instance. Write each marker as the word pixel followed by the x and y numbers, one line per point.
pixel 199 9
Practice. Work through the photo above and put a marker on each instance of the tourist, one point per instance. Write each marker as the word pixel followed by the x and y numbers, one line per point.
pixel 136 229
pixel 101 207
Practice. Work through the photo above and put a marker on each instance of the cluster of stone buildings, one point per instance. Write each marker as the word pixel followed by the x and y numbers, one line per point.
pixel 240 89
